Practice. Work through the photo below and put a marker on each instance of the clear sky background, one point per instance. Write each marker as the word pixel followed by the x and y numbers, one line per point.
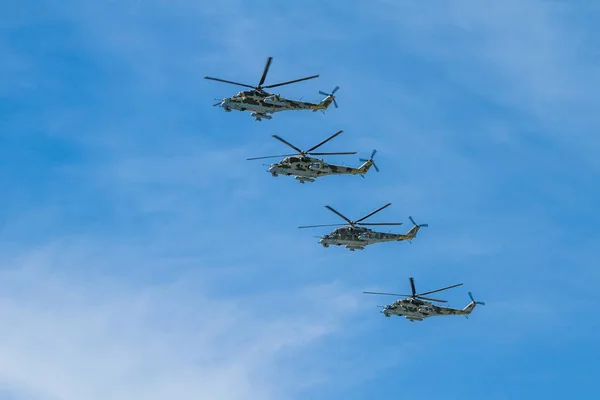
pixel 141 255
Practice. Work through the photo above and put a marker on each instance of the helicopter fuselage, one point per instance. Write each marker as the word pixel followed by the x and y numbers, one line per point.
pixel 356 238
pixel 418 310
pixel 308 168
pixel 262 103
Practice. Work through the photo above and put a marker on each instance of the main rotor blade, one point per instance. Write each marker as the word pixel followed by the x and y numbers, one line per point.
pixel 388 294
pixel 439 290
pixel 231 82
pixel 324 141
pixel 288 143
pixel 412 286
pixel 265 71
pixel 374 212
pixel 378 223
pixel 319 226
pixel 331 154
pixel 427 298
pixel 260 158
pixel 340 215
pixel 288 82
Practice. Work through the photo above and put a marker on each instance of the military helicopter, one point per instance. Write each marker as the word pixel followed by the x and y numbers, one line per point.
pixel 307 169
pixel 416 307
pixel 262 103
pixel 355 237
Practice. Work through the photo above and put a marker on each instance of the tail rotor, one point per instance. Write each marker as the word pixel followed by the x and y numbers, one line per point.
pixel 371 160
pixel 410 235
pixel 331 95
pixel 476 302
pixel 417 225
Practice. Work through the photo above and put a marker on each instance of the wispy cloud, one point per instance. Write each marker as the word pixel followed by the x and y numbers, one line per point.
pixel 81 339
pixel 528 56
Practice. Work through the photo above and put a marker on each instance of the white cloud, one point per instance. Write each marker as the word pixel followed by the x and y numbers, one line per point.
pixel 99 337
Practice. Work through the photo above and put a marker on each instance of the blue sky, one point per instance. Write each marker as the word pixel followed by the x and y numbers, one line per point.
pixel 141 256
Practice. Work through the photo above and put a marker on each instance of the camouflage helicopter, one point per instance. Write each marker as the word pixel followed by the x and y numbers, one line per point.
pixel 355 237
pixel 416 307
pixel 262 103
pixel 307 169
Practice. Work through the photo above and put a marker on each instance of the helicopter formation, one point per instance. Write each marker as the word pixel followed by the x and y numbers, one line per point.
pixel 304 166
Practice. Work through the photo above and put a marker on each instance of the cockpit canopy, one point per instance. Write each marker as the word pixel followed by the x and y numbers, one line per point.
pixel 350 229
pixel 245 93
pixel 298 159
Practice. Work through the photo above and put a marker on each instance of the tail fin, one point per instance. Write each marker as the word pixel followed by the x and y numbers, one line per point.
pixel 367 164
pixel 364 168
pixel 412 233
pixel 469 307
pixel 326 102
